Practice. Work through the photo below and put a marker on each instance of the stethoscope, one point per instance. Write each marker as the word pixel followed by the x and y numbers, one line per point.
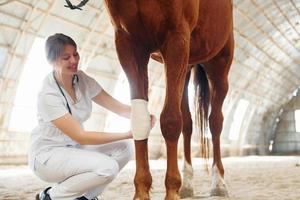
pixel 74 80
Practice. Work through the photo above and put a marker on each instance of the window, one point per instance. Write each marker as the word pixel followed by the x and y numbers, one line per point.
pixel 115 123
pixel 238 118
pixel 23 116
pixel 297 120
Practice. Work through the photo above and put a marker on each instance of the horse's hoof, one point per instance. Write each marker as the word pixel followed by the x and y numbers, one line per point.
pixel 172 197
pixel 186 192
pixel 141 197
pixel 218 191
pixel 218 186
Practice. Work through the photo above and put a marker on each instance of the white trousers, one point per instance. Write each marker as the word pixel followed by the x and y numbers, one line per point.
pixel 85 170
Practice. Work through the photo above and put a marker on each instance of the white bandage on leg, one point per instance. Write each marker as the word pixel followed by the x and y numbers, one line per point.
pixel 140 119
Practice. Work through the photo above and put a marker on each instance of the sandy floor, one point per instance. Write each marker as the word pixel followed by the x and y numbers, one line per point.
pixel 255 178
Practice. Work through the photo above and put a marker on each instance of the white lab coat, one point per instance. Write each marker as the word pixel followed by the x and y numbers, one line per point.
pixel 55 157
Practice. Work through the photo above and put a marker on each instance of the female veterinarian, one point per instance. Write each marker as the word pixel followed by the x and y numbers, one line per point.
pixel 57 153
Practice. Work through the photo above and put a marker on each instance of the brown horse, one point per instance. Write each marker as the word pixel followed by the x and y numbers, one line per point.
pixel 181 34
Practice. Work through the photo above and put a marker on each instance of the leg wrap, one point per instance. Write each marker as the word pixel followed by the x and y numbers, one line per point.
pixel 140 119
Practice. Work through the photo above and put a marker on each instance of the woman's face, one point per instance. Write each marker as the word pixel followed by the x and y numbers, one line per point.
pixel 67 62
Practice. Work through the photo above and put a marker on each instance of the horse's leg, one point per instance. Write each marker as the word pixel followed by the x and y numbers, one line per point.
pixel 175 53
pixel 217 70
pixel 186 189
pixel 134 59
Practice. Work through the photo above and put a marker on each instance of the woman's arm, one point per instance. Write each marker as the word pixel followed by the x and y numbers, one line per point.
pixel 69 126
pixel 107 101
pixel 110 103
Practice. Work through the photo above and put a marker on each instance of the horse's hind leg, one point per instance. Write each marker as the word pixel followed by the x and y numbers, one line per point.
pixel 134 59
pixel 186 189
pixel 217 70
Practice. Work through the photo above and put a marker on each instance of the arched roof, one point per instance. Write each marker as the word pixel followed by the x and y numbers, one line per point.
pixel 265 69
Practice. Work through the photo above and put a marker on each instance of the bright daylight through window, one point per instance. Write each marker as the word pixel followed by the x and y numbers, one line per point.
pixel 238 118
pixel 121 92
pixel 23 117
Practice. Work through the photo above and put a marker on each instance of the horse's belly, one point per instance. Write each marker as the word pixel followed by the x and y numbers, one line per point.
pixel 212 31
pixel 146 23
pixel 206 47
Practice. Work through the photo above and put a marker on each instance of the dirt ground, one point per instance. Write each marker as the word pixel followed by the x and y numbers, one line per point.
pixel 249 178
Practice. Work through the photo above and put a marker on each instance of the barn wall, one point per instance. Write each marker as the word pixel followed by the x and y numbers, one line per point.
pixel 287 140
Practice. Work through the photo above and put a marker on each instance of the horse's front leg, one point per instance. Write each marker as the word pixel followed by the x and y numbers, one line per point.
pixel 134 60
pixel 175 54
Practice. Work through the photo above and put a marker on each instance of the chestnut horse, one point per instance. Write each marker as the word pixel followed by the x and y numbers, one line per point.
pixel 181 34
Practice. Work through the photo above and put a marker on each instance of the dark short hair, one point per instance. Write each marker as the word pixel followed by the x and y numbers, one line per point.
pixel 55 45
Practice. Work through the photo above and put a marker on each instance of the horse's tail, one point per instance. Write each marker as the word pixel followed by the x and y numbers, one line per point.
pixel 202 102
